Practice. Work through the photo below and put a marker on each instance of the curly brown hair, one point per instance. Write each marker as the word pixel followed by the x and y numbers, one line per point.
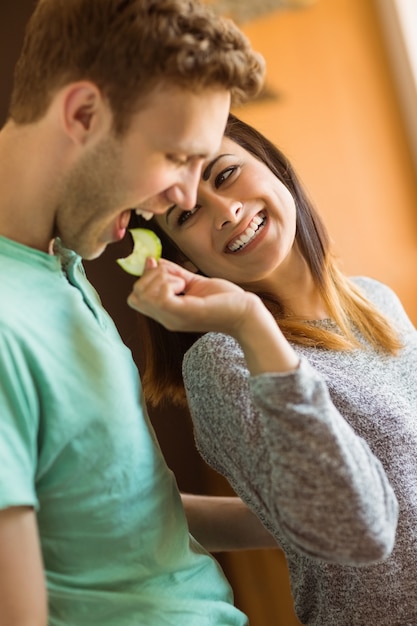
pixel 128 47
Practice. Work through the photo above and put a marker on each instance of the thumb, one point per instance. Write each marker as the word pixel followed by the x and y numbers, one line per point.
pixel 150 263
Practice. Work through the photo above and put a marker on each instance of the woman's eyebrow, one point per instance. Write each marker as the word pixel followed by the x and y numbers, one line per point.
pixel 207 172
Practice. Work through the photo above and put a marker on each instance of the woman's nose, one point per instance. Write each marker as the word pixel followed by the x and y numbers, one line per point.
pixel 227 211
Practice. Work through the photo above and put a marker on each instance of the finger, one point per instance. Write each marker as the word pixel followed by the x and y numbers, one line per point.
pixel 150 263
pixel 153 291
pixel 174 268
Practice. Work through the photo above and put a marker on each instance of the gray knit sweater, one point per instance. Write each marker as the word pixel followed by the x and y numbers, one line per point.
pixel 314 453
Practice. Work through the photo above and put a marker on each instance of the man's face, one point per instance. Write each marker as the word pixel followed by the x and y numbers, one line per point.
pixel 156 164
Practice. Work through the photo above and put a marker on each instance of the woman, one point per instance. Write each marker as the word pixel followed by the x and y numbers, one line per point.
pixel 305 396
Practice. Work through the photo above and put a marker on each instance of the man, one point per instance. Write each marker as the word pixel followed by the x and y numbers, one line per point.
pixel 115 106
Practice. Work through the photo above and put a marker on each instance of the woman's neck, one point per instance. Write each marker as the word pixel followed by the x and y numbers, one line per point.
pixel 293 286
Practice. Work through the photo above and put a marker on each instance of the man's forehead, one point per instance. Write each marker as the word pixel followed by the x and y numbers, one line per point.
pixel 176 102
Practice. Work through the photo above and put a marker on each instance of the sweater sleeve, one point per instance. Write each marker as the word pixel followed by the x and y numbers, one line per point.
pixel 290 455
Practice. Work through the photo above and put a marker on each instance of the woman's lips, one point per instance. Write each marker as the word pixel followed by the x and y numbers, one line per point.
pixel 251 232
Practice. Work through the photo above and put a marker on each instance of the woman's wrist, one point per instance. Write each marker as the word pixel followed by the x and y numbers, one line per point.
pixel 265 347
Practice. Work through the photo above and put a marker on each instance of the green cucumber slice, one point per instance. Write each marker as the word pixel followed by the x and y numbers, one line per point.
pixel 145 243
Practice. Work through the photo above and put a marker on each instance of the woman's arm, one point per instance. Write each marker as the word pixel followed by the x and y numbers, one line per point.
pixel 223 523
pixel 290 455
pixel 269 425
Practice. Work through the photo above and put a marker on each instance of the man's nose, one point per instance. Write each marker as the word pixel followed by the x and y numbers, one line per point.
pixel 184 192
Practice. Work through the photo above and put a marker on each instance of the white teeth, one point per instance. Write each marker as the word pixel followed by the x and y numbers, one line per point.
pixel 248 235
pixel 147 215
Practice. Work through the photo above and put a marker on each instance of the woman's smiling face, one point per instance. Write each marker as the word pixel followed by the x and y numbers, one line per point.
pixel 243 226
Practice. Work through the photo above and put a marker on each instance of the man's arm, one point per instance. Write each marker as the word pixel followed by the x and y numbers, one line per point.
pixel 222 523
pixel 23 599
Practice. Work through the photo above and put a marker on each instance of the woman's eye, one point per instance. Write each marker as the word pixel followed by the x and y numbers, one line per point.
pixel 224 175
pixel 185 215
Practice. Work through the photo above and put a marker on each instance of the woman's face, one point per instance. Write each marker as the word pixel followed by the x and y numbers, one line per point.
pixel 243 226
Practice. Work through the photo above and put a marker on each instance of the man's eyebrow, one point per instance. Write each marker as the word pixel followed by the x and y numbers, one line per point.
pixel 207 172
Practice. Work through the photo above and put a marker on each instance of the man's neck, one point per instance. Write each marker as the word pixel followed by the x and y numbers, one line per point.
pixel 24 215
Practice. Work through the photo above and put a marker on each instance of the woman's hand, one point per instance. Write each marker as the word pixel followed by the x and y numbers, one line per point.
pixel 183 301
pixel 186 302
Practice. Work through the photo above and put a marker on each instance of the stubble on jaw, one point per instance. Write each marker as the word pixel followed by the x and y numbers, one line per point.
pixel 91 190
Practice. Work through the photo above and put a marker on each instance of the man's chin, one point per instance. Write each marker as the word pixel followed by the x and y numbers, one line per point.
pixel 91 255
pixel 88 253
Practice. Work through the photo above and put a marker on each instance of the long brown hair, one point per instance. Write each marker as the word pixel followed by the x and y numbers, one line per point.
pixel 163 350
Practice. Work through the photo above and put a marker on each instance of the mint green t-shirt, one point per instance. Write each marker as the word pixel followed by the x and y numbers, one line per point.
pixel 76 444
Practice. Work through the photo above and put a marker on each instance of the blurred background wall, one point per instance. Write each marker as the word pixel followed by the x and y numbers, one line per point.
pixel 334 105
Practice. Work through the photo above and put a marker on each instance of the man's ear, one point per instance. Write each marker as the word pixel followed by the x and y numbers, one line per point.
pixel 85 113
